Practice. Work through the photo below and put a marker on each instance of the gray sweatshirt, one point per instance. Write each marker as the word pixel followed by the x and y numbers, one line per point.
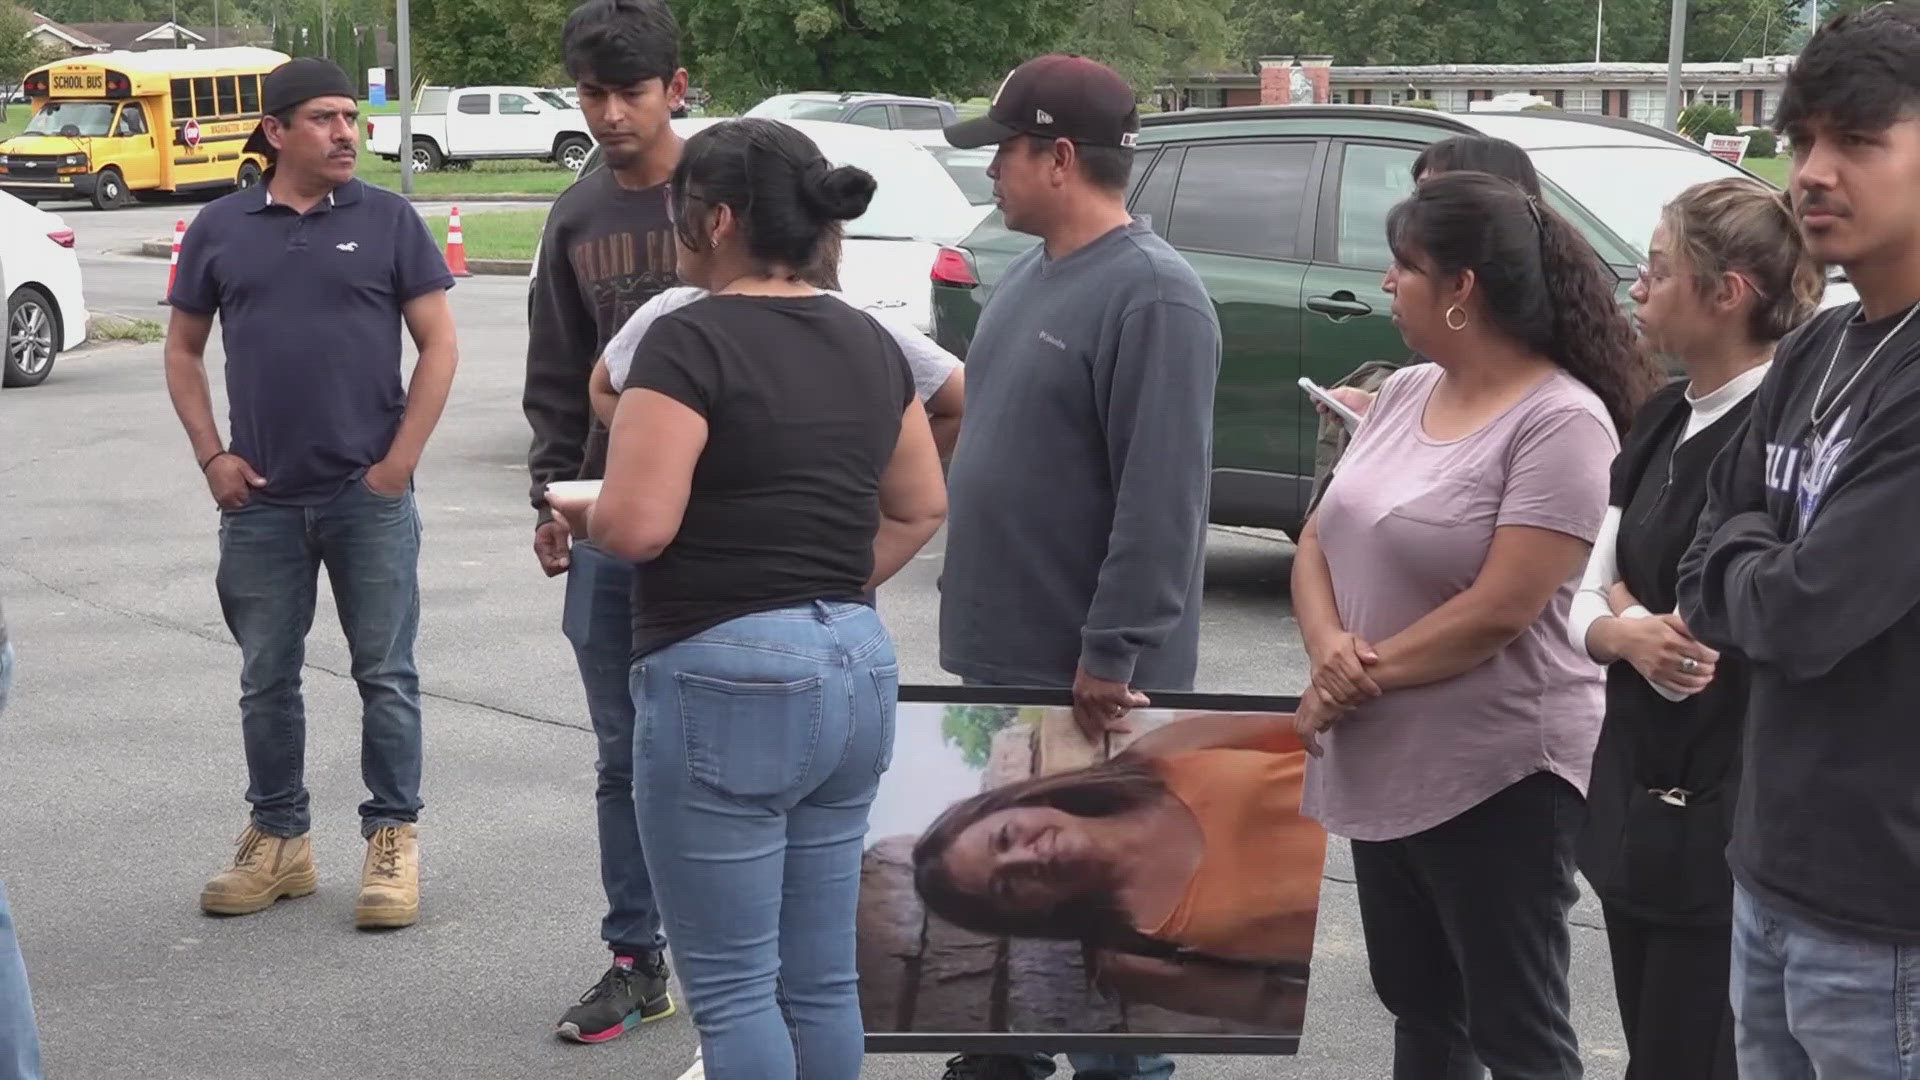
pixel 1077 497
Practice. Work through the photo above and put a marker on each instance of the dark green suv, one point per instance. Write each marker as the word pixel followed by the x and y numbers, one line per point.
pixel 1283 213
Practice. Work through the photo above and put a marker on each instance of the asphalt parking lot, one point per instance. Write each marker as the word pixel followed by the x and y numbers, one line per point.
pixel 121 775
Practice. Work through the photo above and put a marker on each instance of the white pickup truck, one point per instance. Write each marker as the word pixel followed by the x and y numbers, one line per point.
pixel 458 126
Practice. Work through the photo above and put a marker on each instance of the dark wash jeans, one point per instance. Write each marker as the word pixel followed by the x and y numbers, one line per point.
pixel 1467 937
pixel 599 623
pixel 270 558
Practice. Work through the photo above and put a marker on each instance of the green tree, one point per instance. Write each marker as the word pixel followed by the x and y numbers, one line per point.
pixel 1147 39
pixel 1699 121
pixel 280 40
pixel 971 728
pixel 19 53
pixel 465 42
pixel 747 49
pixel 346 47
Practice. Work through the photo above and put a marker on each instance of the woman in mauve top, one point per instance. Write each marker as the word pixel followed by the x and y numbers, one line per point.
pixel 1455 721
pixel 1183 864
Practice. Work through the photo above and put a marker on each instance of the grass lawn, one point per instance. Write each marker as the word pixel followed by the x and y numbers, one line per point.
pixel 485 178
pixel 495 234
pixel 1773 170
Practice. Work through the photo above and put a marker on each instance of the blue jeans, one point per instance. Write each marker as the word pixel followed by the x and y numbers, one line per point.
pixel 270 557
pixel 761 744
pixel 19 1045
pixel 1809 1002
pixel 1116 1066
pixel 599 623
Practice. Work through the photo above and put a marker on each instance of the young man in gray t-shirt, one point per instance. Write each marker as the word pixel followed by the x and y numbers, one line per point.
pixel 1078 493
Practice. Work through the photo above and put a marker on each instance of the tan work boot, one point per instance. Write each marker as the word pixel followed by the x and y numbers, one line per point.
pixel 390 881
pixel 265 869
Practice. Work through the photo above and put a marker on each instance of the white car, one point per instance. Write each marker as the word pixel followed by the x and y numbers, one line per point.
pixel 967 167
pixel 917 209
pixel 472 123
pixel 40 272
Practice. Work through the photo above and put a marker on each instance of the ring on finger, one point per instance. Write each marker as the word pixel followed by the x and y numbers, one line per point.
pixel 1688 665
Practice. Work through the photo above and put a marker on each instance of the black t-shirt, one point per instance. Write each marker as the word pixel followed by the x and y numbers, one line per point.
pixel 1655 861
pixel 803 398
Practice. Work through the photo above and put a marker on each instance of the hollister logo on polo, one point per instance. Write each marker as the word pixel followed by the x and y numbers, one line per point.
pixel 351 245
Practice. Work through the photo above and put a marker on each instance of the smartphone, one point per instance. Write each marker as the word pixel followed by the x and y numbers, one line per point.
pixel 1347 416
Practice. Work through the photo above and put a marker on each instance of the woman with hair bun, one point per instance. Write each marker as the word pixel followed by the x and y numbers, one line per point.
pixel 768 467
pixel 1727 277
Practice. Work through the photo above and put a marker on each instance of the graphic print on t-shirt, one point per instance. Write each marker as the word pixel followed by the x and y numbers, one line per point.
pixel 1804 474
pixel 620 271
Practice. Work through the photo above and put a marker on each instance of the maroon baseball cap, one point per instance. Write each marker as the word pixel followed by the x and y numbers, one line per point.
pixel 1057 97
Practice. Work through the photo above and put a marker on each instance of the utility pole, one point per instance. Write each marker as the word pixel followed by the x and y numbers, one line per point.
pixel 404 28
pixel 1599 26
pixel 1676 54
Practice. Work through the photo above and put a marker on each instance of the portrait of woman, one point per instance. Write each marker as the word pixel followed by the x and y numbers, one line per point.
pixel 1182 866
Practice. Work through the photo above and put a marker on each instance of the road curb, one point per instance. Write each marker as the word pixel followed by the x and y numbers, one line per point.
pixel 162 249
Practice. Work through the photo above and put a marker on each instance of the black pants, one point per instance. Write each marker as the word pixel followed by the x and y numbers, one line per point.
pixel 1467 937
pixel 1672 986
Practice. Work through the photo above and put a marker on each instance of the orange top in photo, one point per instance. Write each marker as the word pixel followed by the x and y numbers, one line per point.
pixel 1257 891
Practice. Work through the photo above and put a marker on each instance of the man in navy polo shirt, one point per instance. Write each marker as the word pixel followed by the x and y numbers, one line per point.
pixel 312 274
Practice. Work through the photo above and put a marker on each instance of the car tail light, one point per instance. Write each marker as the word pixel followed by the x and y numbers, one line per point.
pixel 369 131
pixel 953 267
pixel 63 237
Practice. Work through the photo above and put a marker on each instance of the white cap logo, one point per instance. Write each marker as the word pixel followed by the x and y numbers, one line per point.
pixel 1003 87
pixel 1042 116
pixel 1130 140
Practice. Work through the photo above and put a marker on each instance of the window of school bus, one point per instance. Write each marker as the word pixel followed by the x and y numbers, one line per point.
pixel 133 120
pixel 91 119
pixel 249 93
pixel 182 99
pixel 203 99
pixel 229 94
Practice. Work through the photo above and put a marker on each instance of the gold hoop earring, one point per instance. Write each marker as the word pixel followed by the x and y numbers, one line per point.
pixel 1460 311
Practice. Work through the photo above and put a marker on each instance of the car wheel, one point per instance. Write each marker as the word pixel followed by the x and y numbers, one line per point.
pixel 248 177
pixel 572 153
pixel 33 338
pixel 109 190
pixel 426 156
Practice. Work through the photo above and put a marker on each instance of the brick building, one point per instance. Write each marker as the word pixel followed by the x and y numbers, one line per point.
pixel 1751 88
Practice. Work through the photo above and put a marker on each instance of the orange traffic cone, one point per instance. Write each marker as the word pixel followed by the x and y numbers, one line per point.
pixel 173 261
pixel 456 246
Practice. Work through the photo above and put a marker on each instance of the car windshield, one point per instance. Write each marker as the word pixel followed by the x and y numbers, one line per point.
pixel 90 118
pixel 968 169
pixel 1626 187
pixel 558 101
pixel 795 107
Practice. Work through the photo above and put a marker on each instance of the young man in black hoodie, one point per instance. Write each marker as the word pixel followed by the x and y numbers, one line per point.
pixel 1806 564
pixel 608 249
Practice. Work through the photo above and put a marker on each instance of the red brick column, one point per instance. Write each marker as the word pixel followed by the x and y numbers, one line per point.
pixel 1320 74
pixel 1275 87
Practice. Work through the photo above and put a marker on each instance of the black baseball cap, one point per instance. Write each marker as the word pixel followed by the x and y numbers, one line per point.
pixel 293 83
pixel 1057 97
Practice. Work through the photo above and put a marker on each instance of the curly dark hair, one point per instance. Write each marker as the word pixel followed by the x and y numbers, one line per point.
pixel 1861 71
pixel 1543 285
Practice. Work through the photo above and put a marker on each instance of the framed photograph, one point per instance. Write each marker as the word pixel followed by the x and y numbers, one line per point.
pixel 1028 889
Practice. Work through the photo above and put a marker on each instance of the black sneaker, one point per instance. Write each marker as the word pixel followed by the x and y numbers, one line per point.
pixel 986 1067
pixel 631 993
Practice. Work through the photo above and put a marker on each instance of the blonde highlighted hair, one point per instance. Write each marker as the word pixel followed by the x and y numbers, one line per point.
pixel 1743 227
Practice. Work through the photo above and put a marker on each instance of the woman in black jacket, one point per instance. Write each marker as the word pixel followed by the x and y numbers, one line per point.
pixel 1727 277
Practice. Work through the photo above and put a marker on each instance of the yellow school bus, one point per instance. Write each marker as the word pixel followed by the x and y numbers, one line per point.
pixel 115 126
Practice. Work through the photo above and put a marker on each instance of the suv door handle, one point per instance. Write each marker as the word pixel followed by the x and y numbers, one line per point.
pixel 1341 305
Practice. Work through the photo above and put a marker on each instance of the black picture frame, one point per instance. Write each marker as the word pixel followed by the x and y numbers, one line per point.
pixel 937 1042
